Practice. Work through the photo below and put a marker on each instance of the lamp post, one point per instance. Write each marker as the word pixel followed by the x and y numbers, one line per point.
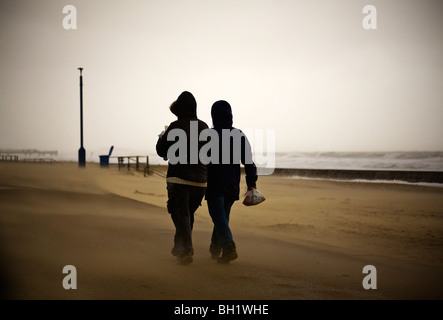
pixel 81 151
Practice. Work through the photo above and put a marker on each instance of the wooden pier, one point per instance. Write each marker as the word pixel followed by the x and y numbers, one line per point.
pixel 8 158
pixel 15 158
pixel 16 155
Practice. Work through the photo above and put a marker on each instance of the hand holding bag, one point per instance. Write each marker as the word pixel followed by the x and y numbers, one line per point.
pixel 253 197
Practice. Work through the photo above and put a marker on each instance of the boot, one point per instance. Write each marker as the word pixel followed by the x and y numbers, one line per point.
pixel 229 254
pixel 185 257
pixel 175 252
pixel 215 251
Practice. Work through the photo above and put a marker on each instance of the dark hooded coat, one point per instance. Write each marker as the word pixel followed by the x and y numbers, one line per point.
pixel 185 108
pixel 223 178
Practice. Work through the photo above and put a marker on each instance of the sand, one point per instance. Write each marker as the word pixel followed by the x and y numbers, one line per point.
pixel 309 240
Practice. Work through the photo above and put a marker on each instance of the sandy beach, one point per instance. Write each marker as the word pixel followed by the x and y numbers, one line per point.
pixel 310 239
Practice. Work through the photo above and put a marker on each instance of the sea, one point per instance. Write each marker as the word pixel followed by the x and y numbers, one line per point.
pixel 423 167
pixel 407 161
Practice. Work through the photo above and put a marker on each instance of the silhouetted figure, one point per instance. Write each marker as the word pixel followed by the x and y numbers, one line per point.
pixel 224 180
pixel 186 182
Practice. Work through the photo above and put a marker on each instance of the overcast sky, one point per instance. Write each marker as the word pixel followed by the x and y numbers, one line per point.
pixel 306 69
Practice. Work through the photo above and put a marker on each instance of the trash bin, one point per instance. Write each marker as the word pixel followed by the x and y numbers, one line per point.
pixel 104 161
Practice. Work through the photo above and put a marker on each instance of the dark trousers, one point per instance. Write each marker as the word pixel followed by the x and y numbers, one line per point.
pixel 183 201
pixel 219 210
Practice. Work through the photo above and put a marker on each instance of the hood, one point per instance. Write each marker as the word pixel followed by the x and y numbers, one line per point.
pixel 221 113
pixel 185 106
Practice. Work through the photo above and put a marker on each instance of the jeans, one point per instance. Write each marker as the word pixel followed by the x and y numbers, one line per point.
pixel 183 201
pixel 219 210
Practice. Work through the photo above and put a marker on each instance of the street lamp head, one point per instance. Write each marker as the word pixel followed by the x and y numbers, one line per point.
pixel 81 69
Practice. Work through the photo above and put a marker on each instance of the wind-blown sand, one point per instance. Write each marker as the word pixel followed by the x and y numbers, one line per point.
pixel 309 240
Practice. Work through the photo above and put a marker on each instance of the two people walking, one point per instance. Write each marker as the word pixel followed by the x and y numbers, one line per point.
pixel 190 179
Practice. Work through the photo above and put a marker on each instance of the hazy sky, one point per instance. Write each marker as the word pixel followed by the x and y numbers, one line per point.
pixel 307 69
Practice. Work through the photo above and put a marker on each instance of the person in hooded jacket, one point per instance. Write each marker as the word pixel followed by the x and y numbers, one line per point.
pixel 186 180
pixel 224 179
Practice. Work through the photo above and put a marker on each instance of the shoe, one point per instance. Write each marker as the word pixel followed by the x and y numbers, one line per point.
pixel 175 252
pixel 185 257
pixel 229 254
pixel 215 251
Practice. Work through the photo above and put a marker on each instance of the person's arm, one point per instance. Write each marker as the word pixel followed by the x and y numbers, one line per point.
pixel 163 144
pixel 250 168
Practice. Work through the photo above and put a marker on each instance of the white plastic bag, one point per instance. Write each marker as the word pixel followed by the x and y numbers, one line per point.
pixel 253 197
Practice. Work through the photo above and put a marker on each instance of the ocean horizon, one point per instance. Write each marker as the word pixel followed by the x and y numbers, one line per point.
pixel 412 167
pixel 393 160
pixel 324 160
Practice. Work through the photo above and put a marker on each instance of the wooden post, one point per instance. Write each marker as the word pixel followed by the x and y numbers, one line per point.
pixel 147 166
